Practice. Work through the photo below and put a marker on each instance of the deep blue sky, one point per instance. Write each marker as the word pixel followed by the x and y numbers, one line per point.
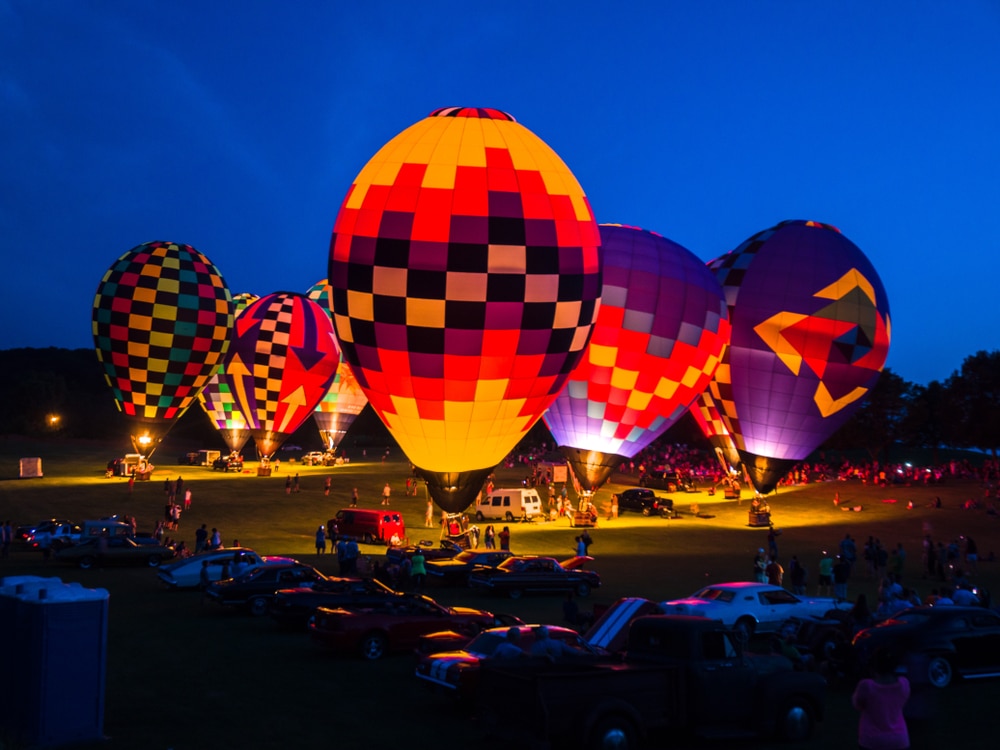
pixel 237 126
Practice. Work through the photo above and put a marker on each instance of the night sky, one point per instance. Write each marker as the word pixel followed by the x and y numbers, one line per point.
pixel 238 126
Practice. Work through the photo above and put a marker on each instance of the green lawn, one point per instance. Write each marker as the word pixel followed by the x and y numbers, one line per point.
pixel 182 675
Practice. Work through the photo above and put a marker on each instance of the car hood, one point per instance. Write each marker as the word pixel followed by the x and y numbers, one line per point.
pixel 470 612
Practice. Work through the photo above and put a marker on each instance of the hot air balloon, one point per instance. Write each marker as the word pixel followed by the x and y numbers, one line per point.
pixel 810 336
pixel 161 322
pixel 659 335
pixel 707 415
pixel 283 358
pixel 345 400
pixel 217 400
pixel 465 272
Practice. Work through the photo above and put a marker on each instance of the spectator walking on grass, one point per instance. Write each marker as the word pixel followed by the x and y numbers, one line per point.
pixel 386 491
pixel 320 540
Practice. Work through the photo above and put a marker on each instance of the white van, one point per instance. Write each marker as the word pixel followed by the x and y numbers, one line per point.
pixel 509 505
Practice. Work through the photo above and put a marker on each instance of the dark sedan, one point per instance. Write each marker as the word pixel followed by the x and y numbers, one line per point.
pixel 254 591
pixel 294 607
pixel 115 550
pixel 518 575
pixel 455 570
pixel 937 644
pixel 392 625
pixel 447 549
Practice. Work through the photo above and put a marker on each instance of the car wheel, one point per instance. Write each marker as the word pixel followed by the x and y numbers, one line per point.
pixel 86 562
pixel 509 516
pixel 583 589
pixel 612 733
pixel 373 646
pixel 258 606
pixel 795 720
pixel 515 593
pixel 153 561
pixel 646 512
pixel 939 672
pixel 480 517
pixel 744 628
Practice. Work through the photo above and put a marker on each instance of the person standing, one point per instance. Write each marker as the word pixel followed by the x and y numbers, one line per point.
pixel 354 498
pixel 505 539
pixel 320 540
pixel 326 486
pixel 429 515
pixel 6 537
pixel 200 539
pixel 825 575
pixel 187 499
pixel 216 540
pixel 880 700
pixel 288 484
pixel 295 483
pixel 490 537
pixel 418 572
pixel 131 482
pixel 386 491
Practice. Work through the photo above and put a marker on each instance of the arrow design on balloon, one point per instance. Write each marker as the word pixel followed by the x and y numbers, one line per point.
pixel 848 336
pixel 293 401
pixel 236 372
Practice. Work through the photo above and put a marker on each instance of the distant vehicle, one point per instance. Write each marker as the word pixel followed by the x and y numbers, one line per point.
pixel 664 479
pixel 509 504
pixel 517 575
pixel 254 591
pixel 444 551
pixel 644 501
pixel 318 458
pixel 228 463
pixel 937 644
pixel 751 607
pixel 186 573
pixel 455 570
pixel 23 531
pixel 391 625
pixel 114 550
pixel 55 535
pixel 371 526
pixel 295 606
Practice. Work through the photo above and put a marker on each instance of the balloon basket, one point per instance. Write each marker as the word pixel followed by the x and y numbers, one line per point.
pixel 263 471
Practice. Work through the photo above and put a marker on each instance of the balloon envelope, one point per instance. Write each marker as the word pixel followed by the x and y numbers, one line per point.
pixel 465 272
pixel 660 332
pixel 345 399
pixel 283 359
pixel 218 402
pixel 810 336
pixel 161 322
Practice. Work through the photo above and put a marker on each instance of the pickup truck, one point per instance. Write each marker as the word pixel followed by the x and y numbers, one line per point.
pixel 679 674
pixel 67 534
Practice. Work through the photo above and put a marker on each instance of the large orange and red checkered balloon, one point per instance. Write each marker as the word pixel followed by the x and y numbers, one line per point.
pixel 810 336
pixel 345 400
pixel 217 400
pixel 465 272
pixel 659 335
pixel 283 359
pixel 708 418
pixel 161 322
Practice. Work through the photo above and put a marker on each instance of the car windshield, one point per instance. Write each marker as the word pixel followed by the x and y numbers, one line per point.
pixel 715 594
pixel 486 643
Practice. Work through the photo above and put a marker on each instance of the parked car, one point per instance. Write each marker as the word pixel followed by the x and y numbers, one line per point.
pixel 186 573
pixel 371 525
pixel 937 644
pixel 446 549
pixel 294 606
pixel 114 550
pixel 451 640
pixel 751 607
pixel 664 479
pixel 254 591
pixel 228 463
pixel 517 575
pixel 391 625
pixel 55 536
pixel 455 570
pixel 458 670
pixel 23 531
pixel 645 501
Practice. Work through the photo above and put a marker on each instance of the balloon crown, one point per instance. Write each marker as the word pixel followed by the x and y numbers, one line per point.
pixel 482 113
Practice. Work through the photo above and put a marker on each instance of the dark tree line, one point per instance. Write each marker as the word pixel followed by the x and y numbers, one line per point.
pixel 961 412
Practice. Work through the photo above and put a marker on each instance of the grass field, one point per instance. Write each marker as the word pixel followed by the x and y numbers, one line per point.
pixel 182 675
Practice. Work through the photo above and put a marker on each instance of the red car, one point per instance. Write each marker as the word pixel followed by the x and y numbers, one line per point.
pixel 373 629
pixel 459 670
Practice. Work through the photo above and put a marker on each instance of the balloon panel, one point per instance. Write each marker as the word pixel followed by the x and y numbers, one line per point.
pixel 216 398
pixel 810 336
pixel 465 274
pixel 659 335
pixel 283 359
pixel 161 322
